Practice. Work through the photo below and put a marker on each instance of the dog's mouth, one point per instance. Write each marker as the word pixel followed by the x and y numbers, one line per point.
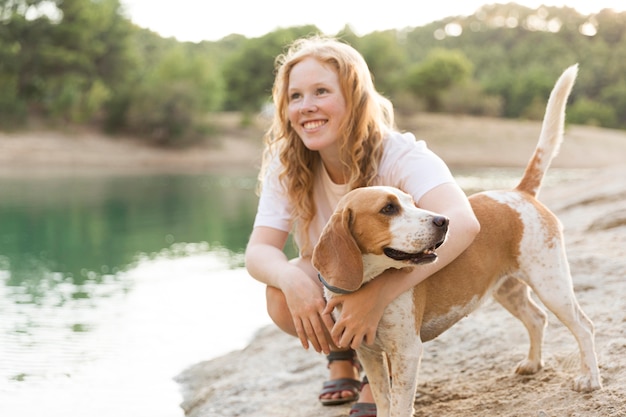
pixel 426 256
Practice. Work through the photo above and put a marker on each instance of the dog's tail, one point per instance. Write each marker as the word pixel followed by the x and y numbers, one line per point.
pixel 551 133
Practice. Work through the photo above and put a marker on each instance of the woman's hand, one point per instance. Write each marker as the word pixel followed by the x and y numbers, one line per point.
pixel 296 299
pixel 305 300
pixel 361 312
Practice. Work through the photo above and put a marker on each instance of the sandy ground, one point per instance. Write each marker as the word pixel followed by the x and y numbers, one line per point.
pixel 82 150
pixel 469 369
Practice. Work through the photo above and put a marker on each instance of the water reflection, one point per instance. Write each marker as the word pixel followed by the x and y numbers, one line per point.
pixel 66 244
pixel 83 230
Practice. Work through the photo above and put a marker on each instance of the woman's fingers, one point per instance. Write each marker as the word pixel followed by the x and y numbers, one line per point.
pixel 331 305
pixel 347 334
pixel 311 335
pixel 329 323
pixel 301 333
pixel 314 332
pixel 322 335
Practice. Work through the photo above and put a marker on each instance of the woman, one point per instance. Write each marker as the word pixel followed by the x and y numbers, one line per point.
pixel 333 132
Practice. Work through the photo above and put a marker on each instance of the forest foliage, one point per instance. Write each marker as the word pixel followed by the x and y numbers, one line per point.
pixel 85 62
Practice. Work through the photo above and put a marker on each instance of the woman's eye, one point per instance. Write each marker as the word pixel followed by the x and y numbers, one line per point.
pixel 294 96
pixel 321 91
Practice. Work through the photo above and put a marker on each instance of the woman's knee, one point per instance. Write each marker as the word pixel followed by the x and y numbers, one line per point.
pixel 278 310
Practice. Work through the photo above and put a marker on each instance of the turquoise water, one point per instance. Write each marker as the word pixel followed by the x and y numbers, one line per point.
pixel 112 285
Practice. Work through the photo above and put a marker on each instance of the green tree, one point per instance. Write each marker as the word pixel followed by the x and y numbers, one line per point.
pixel 530 91
pixel 170 101
pixel 65 56
pixel 249 73
pixel 20 58
pixel 442 69
pixel 586 111
pixel 386 59
pixel 614 97
pixel 84 61
pixel 87 57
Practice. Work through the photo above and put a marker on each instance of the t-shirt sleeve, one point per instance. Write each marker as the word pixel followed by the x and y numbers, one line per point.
pixel 410 165
pixel 273 209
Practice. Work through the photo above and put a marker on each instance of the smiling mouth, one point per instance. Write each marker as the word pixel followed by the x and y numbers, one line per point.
pixel 425 256
pixel 313 124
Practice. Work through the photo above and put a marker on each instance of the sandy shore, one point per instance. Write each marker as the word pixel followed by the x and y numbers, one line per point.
pixel 459 140
pixel 468 370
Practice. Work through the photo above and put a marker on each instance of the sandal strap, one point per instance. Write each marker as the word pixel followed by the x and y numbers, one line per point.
pixel 341 384
pixel 363 410
pixel 344 355
pixel 341 355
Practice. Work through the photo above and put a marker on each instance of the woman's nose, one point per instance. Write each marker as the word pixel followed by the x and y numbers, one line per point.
pixel 308 105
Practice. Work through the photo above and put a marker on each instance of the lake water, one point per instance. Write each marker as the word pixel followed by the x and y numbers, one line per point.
pixel 112 285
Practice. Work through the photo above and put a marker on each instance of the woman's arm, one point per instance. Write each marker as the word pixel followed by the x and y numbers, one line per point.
pixel 299 312
pixel 362 310
pixel 264 255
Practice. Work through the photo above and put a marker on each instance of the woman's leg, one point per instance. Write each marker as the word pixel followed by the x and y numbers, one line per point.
pixel 281 316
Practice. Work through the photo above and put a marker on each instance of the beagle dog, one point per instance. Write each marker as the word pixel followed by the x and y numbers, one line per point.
pixel 520 247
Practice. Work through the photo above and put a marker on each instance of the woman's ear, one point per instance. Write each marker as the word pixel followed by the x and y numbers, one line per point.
pixel 337 256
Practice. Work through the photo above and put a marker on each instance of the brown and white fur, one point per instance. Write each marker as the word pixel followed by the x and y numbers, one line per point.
pixel 520 247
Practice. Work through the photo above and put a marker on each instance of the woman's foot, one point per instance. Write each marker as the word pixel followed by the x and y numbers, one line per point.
pixel 365 407
pixel 366 392
pixel 344 384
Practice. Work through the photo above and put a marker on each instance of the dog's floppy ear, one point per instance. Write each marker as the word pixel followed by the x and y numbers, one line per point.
pixel 337 256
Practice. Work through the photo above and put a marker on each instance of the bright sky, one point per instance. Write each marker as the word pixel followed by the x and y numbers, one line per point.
pixel 196 20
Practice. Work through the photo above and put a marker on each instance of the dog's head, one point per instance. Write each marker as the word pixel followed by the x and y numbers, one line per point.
pixel 371 230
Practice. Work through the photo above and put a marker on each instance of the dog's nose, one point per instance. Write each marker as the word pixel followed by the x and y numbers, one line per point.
pixel 441 221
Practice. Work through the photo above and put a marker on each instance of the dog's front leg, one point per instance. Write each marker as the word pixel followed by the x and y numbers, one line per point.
pixel 375 366
pixel 402 345
pixel 404 362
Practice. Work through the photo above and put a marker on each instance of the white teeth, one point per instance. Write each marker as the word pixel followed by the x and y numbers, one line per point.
pixel 314 124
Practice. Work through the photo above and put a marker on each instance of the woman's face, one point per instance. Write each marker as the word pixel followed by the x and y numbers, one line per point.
pixel 317 106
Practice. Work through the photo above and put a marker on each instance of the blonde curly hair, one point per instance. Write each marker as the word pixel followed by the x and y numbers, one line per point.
pixel 369 118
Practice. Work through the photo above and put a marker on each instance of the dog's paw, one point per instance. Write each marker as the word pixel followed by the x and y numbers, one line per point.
pixel 528 367
pixel 587 383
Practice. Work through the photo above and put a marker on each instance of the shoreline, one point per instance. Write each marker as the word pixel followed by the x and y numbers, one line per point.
pixel 458 140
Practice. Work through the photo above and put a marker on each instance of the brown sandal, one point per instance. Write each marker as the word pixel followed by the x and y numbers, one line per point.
pixel 363 409
pixel 341 384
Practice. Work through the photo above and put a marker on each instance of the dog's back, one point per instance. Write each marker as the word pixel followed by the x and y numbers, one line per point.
pixel 441 300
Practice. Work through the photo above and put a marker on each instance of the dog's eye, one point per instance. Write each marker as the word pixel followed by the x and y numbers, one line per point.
pixel 389 209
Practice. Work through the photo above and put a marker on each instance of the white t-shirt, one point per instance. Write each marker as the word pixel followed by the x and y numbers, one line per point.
pixel 406 164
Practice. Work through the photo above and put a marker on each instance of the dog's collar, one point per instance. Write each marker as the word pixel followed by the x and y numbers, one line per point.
pixel 332 288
